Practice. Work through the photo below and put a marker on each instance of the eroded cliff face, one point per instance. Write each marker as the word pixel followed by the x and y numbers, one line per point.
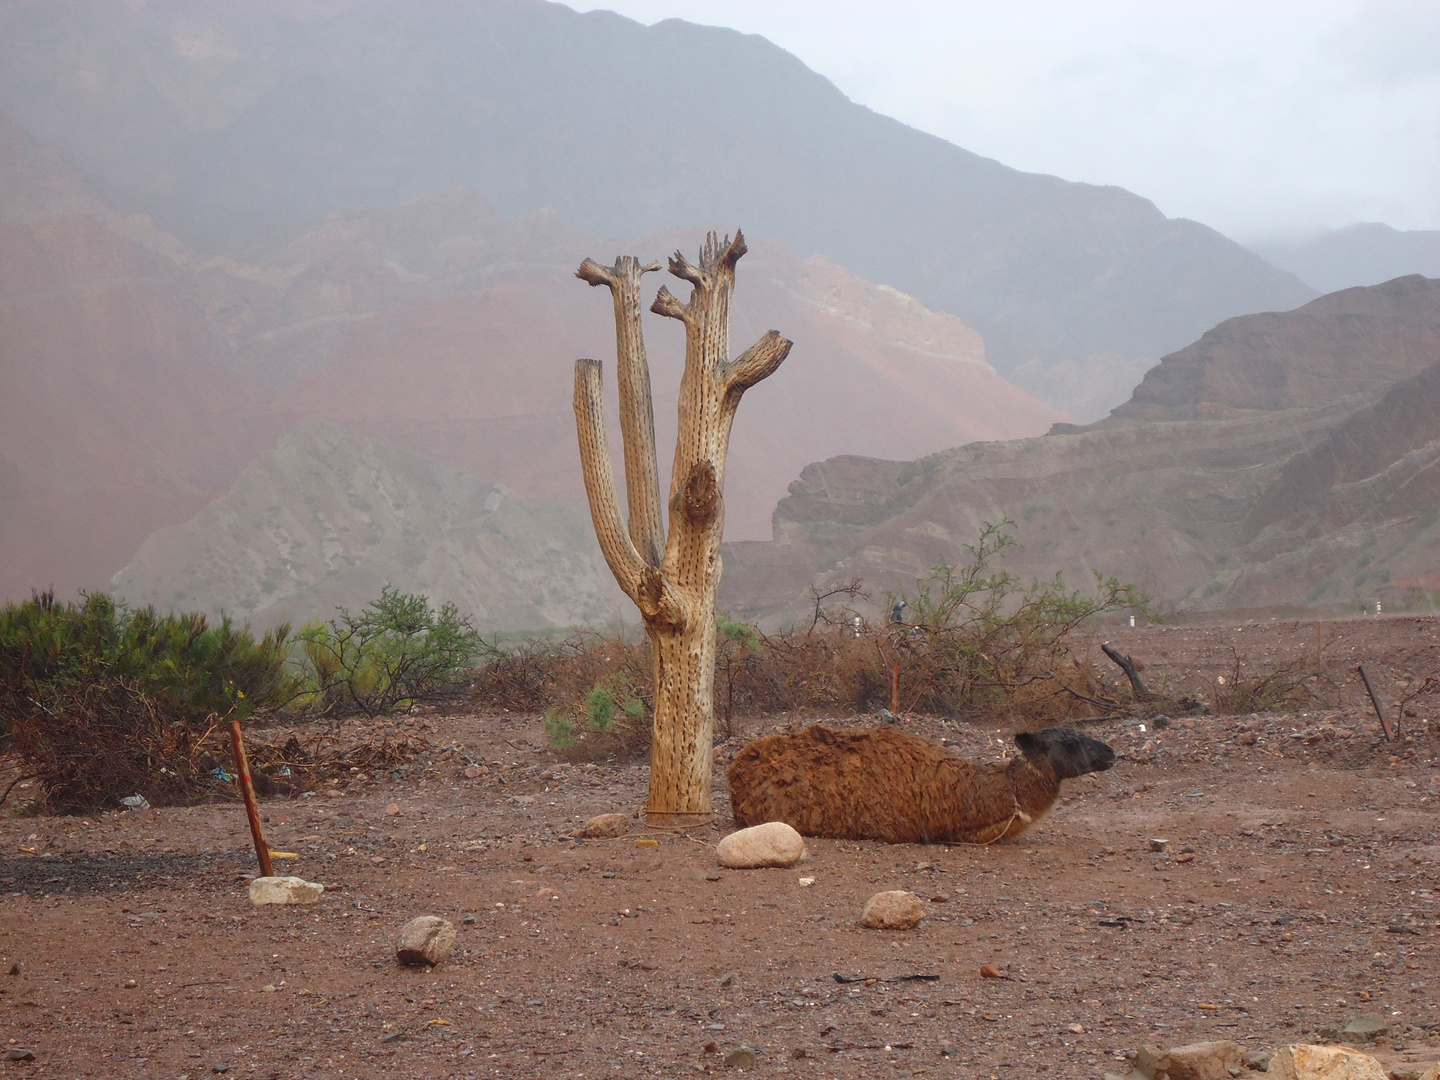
pixel 1346 343
pixel 1285 458
pixel 327 518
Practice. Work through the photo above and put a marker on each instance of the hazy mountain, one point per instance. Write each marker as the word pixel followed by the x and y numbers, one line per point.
pixel 233 124
pixel 1364 254
pixel 119 408
pixel 1281 459
pixel 137 378
pixel 327 518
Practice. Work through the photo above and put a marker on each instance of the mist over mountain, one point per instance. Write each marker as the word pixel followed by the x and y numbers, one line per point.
pixel 138 378
pixel 1363 254
pixel 233 125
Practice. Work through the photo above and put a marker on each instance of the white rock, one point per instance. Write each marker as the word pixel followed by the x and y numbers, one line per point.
pixel 1302 1062
pixel 427 939
pixel 893 910
pixel 602 825
pixel 771 844
pixel 284 890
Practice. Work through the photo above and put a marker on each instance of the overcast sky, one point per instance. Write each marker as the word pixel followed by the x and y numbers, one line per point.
pixel 1258 118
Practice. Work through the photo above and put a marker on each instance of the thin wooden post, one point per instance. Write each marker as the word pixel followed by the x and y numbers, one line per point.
pixel 1385 724
pixel 247 789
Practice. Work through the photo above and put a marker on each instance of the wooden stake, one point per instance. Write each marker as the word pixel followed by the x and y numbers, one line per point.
pixel 247 789
pixel 1389 735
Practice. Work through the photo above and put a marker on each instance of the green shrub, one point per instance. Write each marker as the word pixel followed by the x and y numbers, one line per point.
pixel 396 651
pixel 93 693
pixel 981 641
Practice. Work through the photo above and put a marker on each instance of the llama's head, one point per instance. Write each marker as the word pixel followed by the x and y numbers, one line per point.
pixel 1064 750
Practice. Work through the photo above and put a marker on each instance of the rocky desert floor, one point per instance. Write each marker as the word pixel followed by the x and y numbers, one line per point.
pixel 1296 889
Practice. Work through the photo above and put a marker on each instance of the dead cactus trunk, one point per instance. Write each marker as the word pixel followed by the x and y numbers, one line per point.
pixel 672 578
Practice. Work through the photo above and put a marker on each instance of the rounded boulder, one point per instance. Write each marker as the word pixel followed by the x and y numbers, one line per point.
pixel 771 844
pixel 427 939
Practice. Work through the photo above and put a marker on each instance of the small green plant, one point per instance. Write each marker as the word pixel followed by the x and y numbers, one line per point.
pixel 600 707
pixel 396 651
pixel 559 729
pixel 604 700
pixel 746 636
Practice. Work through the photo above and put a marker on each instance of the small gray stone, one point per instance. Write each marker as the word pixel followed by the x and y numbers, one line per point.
pixel 1364 1027
pixel 893 910
pixel 1256 1060
pixel 742 1057
pixel 427 939
pixel 19 1053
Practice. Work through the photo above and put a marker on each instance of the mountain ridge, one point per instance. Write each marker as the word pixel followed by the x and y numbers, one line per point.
pixel 249 124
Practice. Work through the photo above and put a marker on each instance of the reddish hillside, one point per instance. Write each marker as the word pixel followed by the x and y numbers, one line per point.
pixel 482 379
pixel 137 380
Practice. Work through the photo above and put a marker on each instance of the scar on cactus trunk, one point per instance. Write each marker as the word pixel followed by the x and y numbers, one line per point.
pixel 671 575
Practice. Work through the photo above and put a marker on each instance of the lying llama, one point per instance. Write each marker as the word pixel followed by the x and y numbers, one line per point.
pixel 885 785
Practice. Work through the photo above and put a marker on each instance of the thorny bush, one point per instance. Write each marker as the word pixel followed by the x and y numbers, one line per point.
pixel 979 642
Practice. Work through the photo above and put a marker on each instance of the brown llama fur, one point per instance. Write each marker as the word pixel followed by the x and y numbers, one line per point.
pixel 882 784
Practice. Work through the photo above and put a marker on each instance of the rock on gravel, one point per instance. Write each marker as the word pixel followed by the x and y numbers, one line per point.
pixel 1200 1061
pixel 284 890
pixel 742 1057
pixel 426 939
pixel 771 844
pixel 603 825
pixel 1302 1062
pixel 893 910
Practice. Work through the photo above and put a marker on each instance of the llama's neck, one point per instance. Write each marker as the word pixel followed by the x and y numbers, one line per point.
pixel 1035 787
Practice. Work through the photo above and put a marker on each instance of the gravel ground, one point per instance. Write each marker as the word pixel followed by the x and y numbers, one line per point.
pixel 1297 889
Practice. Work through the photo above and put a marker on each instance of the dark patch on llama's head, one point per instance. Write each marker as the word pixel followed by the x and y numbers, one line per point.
pixel 1068 752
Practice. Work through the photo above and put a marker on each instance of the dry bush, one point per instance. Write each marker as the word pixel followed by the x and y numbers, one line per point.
pixel 116 741
pixel 593 689
pixel 1283 687
pixel 822 671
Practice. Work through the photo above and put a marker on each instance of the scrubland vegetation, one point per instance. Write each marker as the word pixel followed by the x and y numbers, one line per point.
pixel 99 702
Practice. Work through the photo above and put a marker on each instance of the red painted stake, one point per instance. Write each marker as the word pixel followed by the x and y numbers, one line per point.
pixel 247 789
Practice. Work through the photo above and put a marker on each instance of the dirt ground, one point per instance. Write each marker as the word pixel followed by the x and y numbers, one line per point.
pixel 1298 889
